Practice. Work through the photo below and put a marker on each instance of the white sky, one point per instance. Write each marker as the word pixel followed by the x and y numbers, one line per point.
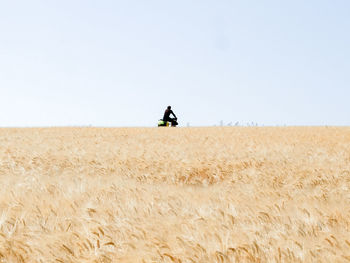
pixel 120 63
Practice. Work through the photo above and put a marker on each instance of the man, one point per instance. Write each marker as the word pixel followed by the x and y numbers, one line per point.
pixel 167 117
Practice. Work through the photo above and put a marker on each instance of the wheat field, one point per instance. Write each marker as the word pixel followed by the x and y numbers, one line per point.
pixel 217 194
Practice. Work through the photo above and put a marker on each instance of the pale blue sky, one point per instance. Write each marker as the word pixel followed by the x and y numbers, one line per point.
pixel 120 63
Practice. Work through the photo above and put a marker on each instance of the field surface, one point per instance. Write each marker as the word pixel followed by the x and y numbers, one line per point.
pixel 219 194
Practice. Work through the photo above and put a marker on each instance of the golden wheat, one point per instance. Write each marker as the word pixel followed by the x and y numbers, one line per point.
pixel 228 194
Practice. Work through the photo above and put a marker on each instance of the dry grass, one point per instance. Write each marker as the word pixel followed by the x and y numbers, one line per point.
pixel 175 195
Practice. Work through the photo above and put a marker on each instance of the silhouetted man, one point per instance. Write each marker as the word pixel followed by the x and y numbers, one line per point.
pixel 167 117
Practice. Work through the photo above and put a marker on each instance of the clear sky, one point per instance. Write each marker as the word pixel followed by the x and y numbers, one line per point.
pixel 120 63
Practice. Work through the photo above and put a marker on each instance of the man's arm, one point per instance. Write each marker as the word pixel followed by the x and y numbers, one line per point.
pixel 173 114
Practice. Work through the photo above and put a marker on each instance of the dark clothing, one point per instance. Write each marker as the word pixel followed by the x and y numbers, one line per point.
pixel 174 122
pixel 167 113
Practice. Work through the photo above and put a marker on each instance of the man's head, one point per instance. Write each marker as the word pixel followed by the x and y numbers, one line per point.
pixel 169 107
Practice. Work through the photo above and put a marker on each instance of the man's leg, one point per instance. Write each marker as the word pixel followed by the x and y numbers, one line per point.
pixel 173 122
